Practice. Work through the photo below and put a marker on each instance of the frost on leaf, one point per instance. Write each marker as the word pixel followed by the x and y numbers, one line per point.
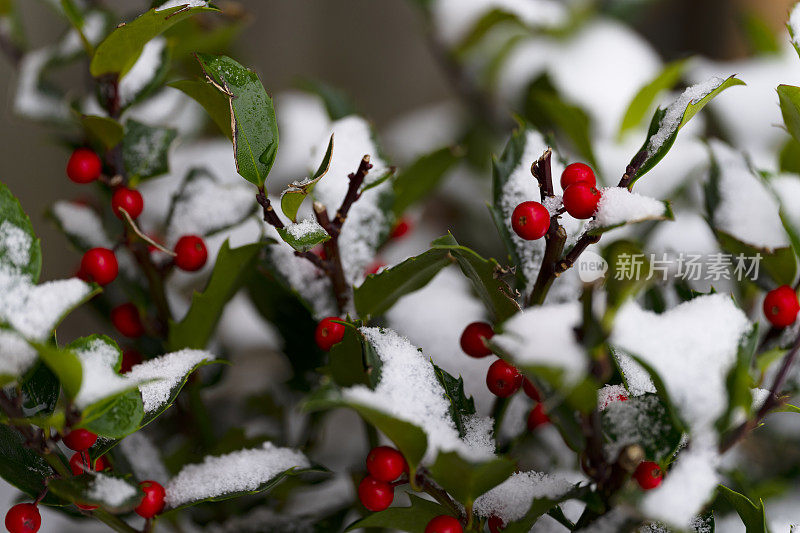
pixel 232 474
pixel 512 499
pixel 163 374
pixel 409 390
pixel 112 491
pixel 619 206
pixel 99 360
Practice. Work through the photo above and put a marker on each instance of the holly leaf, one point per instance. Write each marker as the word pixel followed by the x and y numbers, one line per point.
pixel 231 271
pixel 460 405
pixel 21 466
pixel 115 417
pixel 538 508
pixel 642 420
pixel 64 364
pixel 145 150
pixel 214 102
pixel 465 480
pixel 11 213
pixel 118 52
pixel 416 182
pixel 113 493
pixel 293 197
pixel 255 129
pixel 40 390
pixel 412 519
pixel 645 98
pixel 753 516
pixel 353 361
pixel 304 236
pixel 789 98
pixel 667 122
pixel 738 382
pixel 103 130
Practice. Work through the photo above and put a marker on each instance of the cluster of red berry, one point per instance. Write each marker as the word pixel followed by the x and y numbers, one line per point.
pixel 531 220
pixel 25 517
pixel 387 469
pixel 502 379
pixel 100 264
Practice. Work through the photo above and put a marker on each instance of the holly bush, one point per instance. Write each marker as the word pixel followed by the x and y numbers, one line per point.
pixel 314 333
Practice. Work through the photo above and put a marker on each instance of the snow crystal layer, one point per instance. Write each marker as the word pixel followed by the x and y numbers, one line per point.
pixel 81 223
pixel 512 499
pixel 304 228
pixel 167 372
pixel 144 458
pixel 100 378
pixel 110 490
pixel 409 390
pixel 746 208
pixel 143 71
pixel 175 3
pixel 618 205
pixel 240 471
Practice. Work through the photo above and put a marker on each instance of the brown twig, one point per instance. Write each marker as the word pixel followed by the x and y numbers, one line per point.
pixel 353 194
pixel 426 484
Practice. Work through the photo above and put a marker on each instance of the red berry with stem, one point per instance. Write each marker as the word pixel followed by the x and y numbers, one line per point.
pixel 474 337
pixel 80 440
pixel 444 524
pixel 190 253
pixel 385 463
pixel 503 379
pixel 128 199
pixel 153 501
pixel 100 265
pixel 496 524
pixel 375 495
pixel 84 166
pixel 530 220
pixel 126 319
pixel 79 463
pixel 648 475
pixel 130 358
pixel 537 417
pixel 581 199
pixel 577 173
pixel 23 518
pixel 781 306
pixel 530 390
pixel 400 229
pixel 328 333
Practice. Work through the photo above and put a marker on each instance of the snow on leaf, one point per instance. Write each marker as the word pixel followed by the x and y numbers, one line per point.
pixel 100 358
pixel 512 499
pixel 226 476
pixel 81 224
pixel 304 235
pixel 146 69
pixel 794 27
pixel 618 206
pixel 163 374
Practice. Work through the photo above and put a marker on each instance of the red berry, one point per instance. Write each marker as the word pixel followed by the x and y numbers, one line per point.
pixel 648 475
pixel 374 267
pixel 496 524
pixel 375 495
pixel 126 319
pixel 128 199
pixel 100 265
pixel 23 518
pixel 503 379
pixel 400 229
pixel 537 417
pixel 191 253
pixel 781 306
pixel 84 166
pixel 319 251
pixel 80 440
pixel 130 358
pixel 153 500
pixel 78 464
pixel 577 173
pixel 328 333
pixel 581 199
pixel 444 524
pixel 531 391
pixel 385 463
pixel 530 220
pixel 86 507
pixel 474 337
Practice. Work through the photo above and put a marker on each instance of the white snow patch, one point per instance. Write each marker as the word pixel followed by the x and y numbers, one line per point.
pixel 100 379
pixel 304 228
pixel 512 499
pixel 16 355
pixel 175 3
pixel 408 390
pixel 794 25
pixel 110 490
pixel 168 371
pixel 144 458
pixel 244 470
pixel 618 205
pixel 82 223
pixel 143 71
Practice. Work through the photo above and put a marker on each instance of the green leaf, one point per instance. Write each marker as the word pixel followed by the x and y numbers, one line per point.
pixel 293 197
pixel 255 129
pixel 11 212
pixel 21 466
pixel 753 516
pixel 145 150
pixel 780 264
pixel 412 519
pixel 80 489
pixel 103 130
pixel 415 183
pixel 214 102
pixel 759 33
pixel 119 51
pixel 738 382
pixel 619 256
pixel 460 406
pixel 483 26
pixel 306 241
pixel 64 364
pixel 379 292
pixel 115 417
pixel 646 97
pixel 465 480
pixel 408 438
pixel 484 275
pixel 40 390
pixel 652 430
pixel 789 98
pixel 789 157
pixel 538 508
pixel 231 271
pixel 353 360
pixel 648 157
